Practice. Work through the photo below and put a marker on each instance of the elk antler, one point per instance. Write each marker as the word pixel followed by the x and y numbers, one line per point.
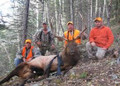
pixel 83 29
pixel 78 37
pixel 60 38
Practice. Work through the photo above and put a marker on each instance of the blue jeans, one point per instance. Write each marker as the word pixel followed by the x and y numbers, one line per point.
pixel 17 61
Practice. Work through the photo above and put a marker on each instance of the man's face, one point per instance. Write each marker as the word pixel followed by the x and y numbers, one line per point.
pixel 44 26
pixel 28 45
pixel 98 23
pixel 70 27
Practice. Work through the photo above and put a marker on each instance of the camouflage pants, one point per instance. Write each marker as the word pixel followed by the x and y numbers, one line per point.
pixel 95 51
pixel 43 50
pixel 82 51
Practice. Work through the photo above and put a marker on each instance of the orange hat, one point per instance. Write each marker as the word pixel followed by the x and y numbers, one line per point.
pixel 70 22
pixel 98 19
pixel 28 41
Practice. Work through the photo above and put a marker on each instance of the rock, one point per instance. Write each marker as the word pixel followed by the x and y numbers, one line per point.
pixel 35 85
pixel 114 76
pixel 118 60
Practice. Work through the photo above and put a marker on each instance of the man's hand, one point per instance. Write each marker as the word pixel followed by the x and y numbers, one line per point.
pixel 30 59
pixel 104 48
pixel 93 44
pixel 116 53
pixel 24 59
pixel 53 46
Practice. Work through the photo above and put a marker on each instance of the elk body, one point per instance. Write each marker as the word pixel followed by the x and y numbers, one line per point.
pixel 69 55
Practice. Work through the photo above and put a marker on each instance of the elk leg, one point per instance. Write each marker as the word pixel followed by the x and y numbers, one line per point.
pixel 24 80
pixel 67 69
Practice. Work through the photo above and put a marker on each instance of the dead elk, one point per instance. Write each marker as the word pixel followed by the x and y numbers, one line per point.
pixel 69 55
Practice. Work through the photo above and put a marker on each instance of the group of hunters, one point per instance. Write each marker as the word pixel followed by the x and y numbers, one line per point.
pixel 100 39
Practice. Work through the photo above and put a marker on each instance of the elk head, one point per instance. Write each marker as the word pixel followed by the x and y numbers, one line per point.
pixel 71 48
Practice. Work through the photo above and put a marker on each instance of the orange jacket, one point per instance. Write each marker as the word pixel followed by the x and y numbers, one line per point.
pixel 30 55
pixel 103 37
pixel 68 36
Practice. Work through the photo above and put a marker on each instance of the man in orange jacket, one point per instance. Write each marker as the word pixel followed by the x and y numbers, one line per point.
pixel 100 39
pixel 71 33
pixel 27 53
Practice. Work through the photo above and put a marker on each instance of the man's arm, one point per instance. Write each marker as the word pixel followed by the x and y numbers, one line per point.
pixel 91 36
pixel 36 36
pixel 110 38
pixel 52 38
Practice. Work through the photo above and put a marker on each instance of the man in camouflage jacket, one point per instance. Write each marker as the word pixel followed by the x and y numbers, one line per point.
pixel 44 40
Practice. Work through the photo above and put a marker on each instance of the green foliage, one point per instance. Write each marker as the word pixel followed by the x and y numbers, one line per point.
pixel 8 48
pixel 58 81
pixel 2 27
pixel 83 75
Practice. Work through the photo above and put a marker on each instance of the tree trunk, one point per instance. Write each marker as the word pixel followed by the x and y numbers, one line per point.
pixel 37 16
pixel 42 10
pixel 60 15
pixel 104 7
pixel 91 14
pixel 55 6
pixel 25 26
pixel 108 10
pixel 71 10
pixel 117 12
pixel 96 8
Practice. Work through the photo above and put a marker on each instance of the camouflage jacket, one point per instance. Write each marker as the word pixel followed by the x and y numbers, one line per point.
pixel 46 39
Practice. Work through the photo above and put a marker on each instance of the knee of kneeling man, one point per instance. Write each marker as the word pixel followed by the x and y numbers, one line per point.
pixel 88 44
pixel 100 56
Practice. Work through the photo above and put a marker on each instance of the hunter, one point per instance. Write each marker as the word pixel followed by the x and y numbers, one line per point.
pixel 100 39
pixel 27 53
pixel 45 40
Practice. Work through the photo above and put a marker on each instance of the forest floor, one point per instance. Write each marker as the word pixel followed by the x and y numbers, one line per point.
pixel 105 72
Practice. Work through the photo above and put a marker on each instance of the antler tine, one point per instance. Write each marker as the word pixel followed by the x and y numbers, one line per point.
pixel 65 39
pixel 78 37
pixel 60 38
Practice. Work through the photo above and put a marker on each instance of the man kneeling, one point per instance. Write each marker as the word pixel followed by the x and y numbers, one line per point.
pixel 27 53
pixel 100 39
